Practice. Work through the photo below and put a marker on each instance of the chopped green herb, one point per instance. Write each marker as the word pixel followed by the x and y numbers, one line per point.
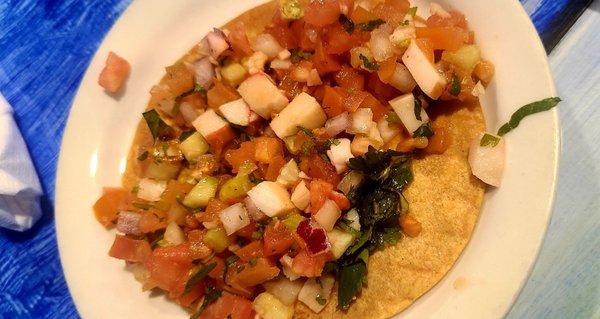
pixel 252 261
pixel 231 260
pixel 239 269
pixel 418 109
pixel 308 147
pixel 413 11
pixel 156 125
pixel 423 131
pixel 489 140
pixel 185 134
pixel 455 85
pixel 329 142
pixel 200 89
pixel 389 236
pixel 211 294
pixel 254 179
pixel 135 189
pixel 298 55
pixel 364 256
pixel 143 156
pixel 196 277
pixel 373 66
pixel 344 224
pixel 392 117
pixel 346 23
pixel 531 108
pixel 305 131
pixel 157 241
pixel 320 300
pixel 144 206
pixel 364 238
pixel 350 283
pixel 370 25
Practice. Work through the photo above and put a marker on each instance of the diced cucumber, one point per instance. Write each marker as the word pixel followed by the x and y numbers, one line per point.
pixel 216 239
pixel 235 188
pixel 268 306
pixel 193 146
pixel 292 221
pixel 466 57
pixel 162 170
pixel 340 241
pixel 233 74
pixel 203 191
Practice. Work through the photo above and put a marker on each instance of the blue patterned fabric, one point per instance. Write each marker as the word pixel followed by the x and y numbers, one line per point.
pixel 45 48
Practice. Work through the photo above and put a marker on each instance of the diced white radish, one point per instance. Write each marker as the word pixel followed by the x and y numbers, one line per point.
pixel 286 266
pixel 349 181
pixel 267 44
pixel 340 154
pixel 129 222
pixel 256 62
pixel 380 44
pixel 315 295
pixel 360 121
pixel 404 106
pixel 217 42
pixel 328 214
pixel 303 111
pixel 423 71
pixel 236 112
pixel 387 130
pixel 340 241
pixel 487 162
pixel 360 145
pixel 374 136
pixel 268 306
pixel 284 289
pixel 234 218
pixel 204 72
pixel 313 78
pixel 284 54
pixel 436 9
pixel 150 189
pixel 209 122
pixel 278 64
pixel 288 175
pixel 271 198
pixel 253 211
pixel 337 124
pixel 173 234
pixel 402 79
pixel 262 96
pixel 301 196
pixel 403 34
pixel 354 219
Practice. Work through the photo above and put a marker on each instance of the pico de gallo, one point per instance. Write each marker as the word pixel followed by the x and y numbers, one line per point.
pixel 278 163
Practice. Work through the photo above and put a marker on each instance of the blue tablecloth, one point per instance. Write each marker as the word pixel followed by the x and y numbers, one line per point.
pixel 45 47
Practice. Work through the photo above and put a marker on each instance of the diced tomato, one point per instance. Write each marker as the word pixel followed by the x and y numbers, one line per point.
pixel 149 222
pixel 439 142
pixel 319 192
pixel 333 100
pixel 338 41
pixel 321 13
pixel 309 266
pixel 252 250
pixel 267 148
pixel 427 47
pixel 301 32
pixel 239 40
pixel 219 139
pixel 392 11
pixel 228 307
pixel 325 63
pixel 211 213
pixel 168 266
pixel 219 269
pixel 275 166
pixel 195 99
pixel 379 109
pixel 350 78
pixel 196 293
pixel 291 88
pixel 362 15
pixel 456 19
pixel 220 94
pixel 114 73
pixel 282 32
pixel 245 153
pixel 444 38
pixel 173 191
pixel 179 79
pixel 277 239
pixel 247 231
pixel 354 100
pixel 386 69
pixel 198 249
pixel 107 206
pixel 381 90
pixel 340 199
pixel 316 167
pixel 257 273
pixel 128 249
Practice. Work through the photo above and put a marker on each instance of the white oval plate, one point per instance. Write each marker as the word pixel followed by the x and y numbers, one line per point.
pixel 152 34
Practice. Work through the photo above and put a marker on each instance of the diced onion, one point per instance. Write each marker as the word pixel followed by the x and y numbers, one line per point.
pixel 351 180
pixel 337 124
pixel 234 218
pixel 278 64
pixel 284 289
pixel 188 112
pixel 313 291
pixel 328 214
pixel 286 266
pixel 361 121
pixel 151 190
pixel 217 42
pixel 267 44
pixel 204 72
pixel 381 46
pixel 173 234
pixel 313 78
pixel 402 79
pixel 129 222
pixel 487 162
pixel 340 154
pixel 301 196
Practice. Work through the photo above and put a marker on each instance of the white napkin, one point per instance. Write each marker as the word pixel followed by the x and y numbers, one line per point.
pixel 20 188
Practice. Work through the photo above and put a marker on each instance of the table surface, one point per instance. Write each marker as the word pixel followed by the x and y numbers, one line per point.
pixel 45 47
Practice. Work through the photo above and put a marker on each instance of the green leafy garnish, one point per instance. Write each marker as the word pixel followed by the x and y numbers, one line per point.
pixel 211 294
pixel 370 25
pixel 231 260
pixel 418 109
pixel 199 89
pixel 412 11
pixel 392 117
pixel 156 242
pixel 298 55
pixel 423 131
pixel 389 236
pixel 305 131
pixel 531 108
pixel 144 206
pixel 351 281
pixel 185 134
pixel 320 300
pixel 373 66
pixel 143 156
pixel 346 23
pixel 156 125
pixel 331 141
pixel 196 277
pixel 455 85
pixel 252 261
pixel 489 140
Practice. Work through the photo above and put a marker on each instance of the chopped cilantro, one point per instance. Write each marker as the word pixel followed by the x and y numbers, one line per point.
pixel 423 131
pixel 413 11
pixel 298 55
pixel 489 140
pixel 331 141
pixel 531 108
pixel 455 85
pixel 185 134
pixel 144 206
pixel 291 9
pixel 418 109
pixel 143 156
pixel 373 66
pixel 306 131
pixel 231 260
pixel 370 25
pixel 253 261
pixel 211 294
pixel 157 126
pixel 200 89
pixel 346 23
pixel 135 189
pixel 393 117
pixel 196 277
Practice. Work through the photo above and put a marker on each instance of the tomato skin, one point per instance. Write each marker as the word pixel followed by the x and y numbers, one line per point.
pixel 333 100
pixel 321 13
pixel 309 266
pixel 380 90
pixel 444 38
pixel 324 62
pixel 301 31
pixel 168 266
pixel 150 222
pixel 128 249
pixel 274 167
pixel 228 307
pixel 251 275
pixel 236 157
pixel 106 207
pixel 277 239
pixel 220 94
pixel 252 250
pixel 319 193
pixel 316 167
pixel 338 41
pixel 219 139
pixel 350 78
pixel 239 40
pixel 378 108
